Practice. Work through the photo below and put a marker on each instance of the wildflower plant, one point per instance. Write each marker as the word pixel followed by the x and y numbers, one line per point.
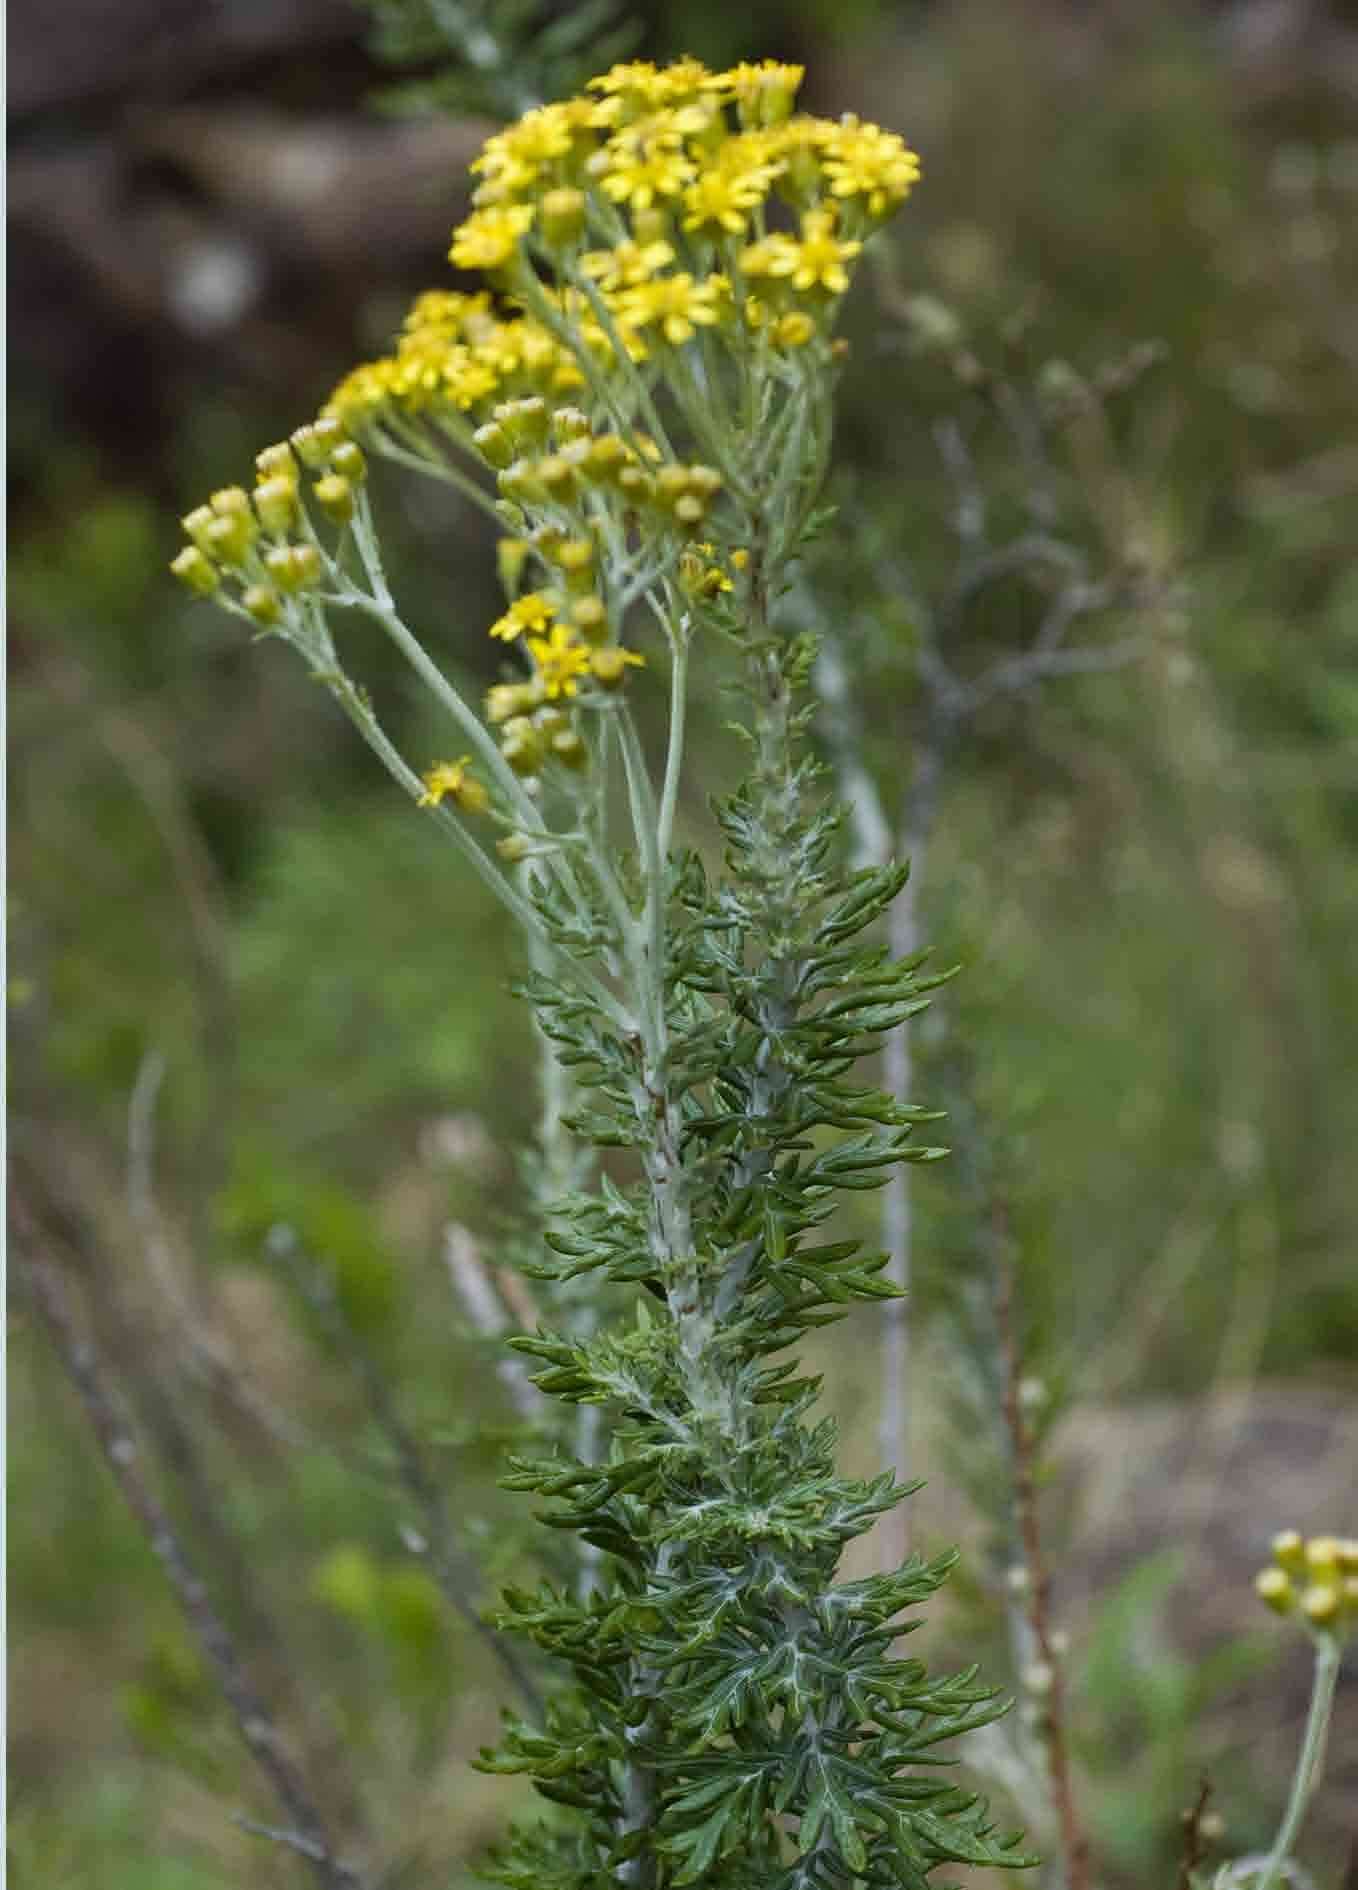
pixel 640 396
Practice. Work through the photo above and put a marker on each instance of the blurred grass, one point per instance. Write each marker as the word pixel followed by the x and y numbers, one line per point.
pixel 1151 880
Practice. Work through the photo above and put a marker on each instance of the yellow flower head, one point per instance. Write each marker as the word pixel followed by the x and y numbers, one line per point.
pixel 490 238
pixel 677 304
pixel 531 612
pixel 865 161
pixel 560 657
pixel 450 780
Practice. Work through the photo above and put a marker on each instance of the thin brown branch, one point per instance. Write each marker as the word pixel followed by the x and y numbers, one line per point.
pixel 1074 1842
pixel 85 1371
pixel 1194 1845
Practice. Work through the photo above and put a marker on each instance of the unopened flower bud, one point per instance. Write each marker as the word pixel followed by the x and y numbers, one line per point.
pixel 561 217
pixel 504 701
pixel 350 462
pixel 227 538
pixel 494 445
pixel 315 443
pixel 293 567
pixel 607 455
pixel 690 510
pixel 520 481
pixel 196 570
pixel 1289 1551
pixel 570 423
pixel 510 556
pixel 569 749
pixel 276 504
pixel 196 524
pixel 1275 1590
pixel 1322 1557
pixel 520 746
pixel 276 462
pixel 794 329
pixel 262 604
pixel 1321 1604
pixel 335 496
pixel 525 421
pixel 558 476
pixel 609 667
pixel 514 847
pixel 590 618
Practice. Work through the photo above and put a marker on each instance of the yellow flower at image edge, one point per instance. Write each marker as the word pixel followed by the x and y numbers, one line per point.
pixel 450 780
pixel 560 658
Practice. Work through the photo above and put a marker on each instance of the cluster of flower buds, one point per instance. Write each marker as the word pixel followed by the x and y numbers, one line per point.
pixel 1315 1577
pixel 261 543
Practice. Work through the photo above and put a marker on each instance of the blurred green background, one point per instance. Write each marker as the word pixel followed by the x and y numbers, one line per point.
pixel 247 988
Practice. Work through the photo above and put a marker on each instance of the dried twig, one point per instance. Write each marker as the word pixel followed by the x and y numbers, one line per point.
pixel 254 1722
pixel 485 1311
pixel 1194 1837
pixel 1037 1591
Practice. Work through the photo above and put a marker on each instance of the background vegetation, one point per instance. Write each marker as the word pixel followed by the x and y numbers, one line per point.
pixel 245 990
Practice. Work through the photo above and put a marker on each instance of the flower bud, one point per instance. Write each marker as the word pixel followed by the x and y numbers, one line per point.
pixel 569 749
pixel 690 511
pixel 196 570
pixel 590 618
pixel 525 421
pixel 558 477
pixel 1275 1590
pixel 1321 1604
pixel 196 524
pixel 520 482
pixel 514 847
pixel 570 423
pixel 609 667
pixel 794 329
pixel 350 462
pixel 634 484
pixel 561 217
pixel 510 556
pixel 521 746
pixel 293 567
pixel 1322 1557
pixel 315 443
pixel 494 445
pixel 276 462
pixel 335 496
pixel 231 502
pixel 262 604
pixel 506 701
pixel 227 538
pixel 276 504
pixel 650 226
pixel 1289 1551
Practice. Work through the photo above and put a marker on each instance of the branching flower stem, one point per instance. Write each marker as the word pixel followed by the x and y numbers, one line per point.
pixel 1310 1760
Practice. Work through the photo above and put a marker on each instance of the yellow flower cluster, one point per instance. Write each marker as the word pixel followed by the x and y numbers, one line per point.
pixel 258 544
pixel 659 252
pixel 630 218
pixel 1318 1577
